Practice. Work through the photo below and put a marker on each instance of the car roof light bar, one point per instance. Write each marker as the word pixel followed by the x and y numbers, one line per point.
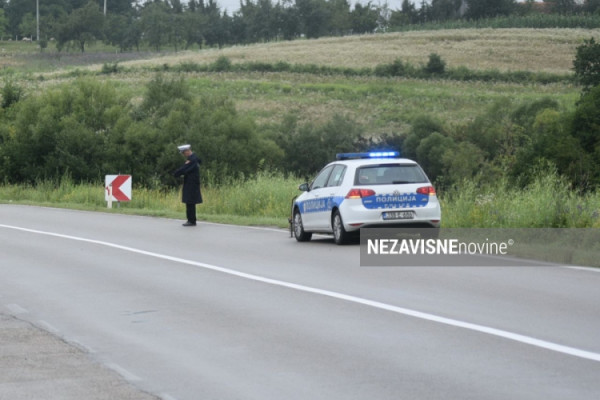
pixel 372 154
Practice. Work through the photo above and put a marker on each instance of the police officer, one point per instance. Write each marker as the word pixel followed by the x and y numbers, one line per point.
pixel 191 194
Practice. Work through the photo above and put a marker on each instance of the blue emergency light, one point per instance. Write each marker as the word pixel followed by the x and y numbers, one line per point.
pixel 372 154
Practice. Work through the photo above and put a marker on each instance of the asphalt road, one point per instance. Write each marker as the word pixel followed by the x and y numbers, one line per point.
pixel 225 312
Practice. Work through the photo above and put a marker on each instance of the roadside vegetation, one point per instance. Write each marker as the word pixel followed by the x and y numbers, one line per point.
pixel 265 199
pixel 504 148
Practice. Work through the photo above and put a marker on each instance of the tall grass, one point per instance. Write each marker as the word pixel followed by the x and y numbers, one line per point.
pixel 262 200
pixel 548 202
pixel 534 20
pixel 266 198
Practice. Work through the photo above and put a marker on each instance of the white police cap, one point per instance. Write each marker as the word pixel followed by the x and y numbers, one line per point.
pixel 184 147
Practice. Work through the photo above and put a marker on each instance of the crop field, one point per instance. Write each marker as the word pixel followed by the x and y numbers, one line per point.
pixel 549 50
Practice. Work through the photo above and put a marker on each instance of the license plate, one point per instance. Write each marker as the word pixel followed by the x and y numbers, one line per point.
pixel 398 215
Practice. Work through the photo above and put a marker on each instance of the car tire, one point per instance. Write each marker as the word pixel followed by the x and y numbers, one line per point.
pixel 340 236
pixel 299 233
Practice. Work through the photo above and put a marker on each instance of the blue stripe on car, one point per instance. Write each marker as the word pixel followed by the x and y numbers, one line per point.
pixel 320 204
pixel 401 200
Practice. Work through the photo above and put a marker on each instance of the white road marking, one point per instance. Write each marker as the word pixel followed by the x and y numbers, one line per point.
pixel 16 309
pixel 589 355
pixel 82 346
pixel 124 373
pixel 48 327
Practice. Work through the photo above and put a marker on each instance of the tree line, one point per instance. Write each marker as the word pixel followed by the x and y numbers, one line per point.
pixel 129 24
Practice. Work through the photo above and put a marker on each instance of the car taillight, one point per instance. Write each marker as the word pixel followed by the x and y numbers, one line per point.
pixel 359 193
pixel 427 190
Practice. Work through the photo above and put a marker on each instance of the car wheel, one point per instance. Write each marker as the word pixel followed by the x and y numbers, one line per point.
pixel 340 236
pixel 299 232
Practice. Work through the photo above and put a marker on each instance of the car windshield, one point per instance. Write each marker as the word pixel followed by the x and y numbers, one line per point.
pixel 389 174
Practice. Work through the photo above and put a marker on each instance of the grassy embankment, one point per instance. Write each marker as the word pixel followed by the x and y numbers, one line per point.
pixel 265 200
pixel 379 104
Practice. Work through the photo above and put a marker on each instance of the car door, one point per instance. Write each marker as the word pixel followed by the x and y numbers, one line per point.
pixel 334 197
pixel 314 206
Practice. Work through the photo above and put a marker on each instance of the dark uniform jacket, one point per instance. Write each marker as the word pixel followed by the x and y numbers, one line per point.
pixel 191 180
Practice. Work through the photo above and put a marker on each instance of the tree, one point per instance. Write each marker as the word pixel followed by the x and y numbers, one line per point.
pixel 123 31
pixel 3 24
pixel 340 17
pixel 315 16
pixel 217 31
pixel 586 121
pixel 289 20
pixel 364 18
pixel 442 10
pixel 82 26
pixel 587 64
pixel 195 25
pixel 489 8
pixel 592 6
pixel 28 27
pixel 562 6
pixel 155 23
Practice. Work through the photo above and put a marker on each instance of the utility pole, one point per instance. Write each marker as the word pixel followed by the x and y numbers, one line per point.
pixel 105 8
pixel 37 17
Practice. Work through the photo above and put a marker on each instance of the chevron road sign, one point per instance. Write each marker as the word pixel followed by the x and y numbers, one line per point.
pixel 117 188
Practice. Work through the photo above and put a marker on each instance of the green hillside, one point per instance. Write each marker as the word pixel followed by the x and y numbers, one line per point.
pixel 379 104
pixel 267 115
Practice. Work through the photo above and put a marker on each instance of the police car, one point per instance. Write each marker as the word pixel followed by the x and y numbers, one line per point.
pixel 376 189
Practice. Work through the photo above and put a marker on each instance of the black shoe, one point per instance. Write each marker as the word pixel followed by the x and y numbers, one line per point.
pixel 189 224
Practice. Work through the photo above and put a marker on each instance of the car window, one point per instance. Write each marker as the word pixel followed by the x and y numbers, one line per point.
pixel 321 179
pixel 389 174
pixel 337 175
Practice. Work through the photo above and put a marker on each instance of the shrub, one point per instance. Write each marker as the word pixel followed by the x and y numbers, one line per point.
pixel 422 127
pixel 161 93
pixel 11 93
pixel 396 68
pixel 435 65
pixel 110 68
pixel 430 154
pixel 222 64
pixel 586 129
pixel 309 147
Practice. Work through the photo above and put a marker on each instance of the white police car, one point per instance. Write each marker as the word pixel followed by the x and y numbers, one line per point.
pixel 377 189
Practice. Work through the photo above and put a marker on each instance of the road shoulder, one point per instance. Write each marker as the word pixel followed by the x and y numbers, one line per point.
pixel 35 364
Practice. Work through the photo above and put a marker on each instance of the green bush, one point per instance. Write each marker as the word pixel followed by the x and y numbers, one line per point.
pixel 309 147
pixel 160 95
pixel 222 64
pixel 11 93
pixel 587 64
pixel 430 154
pixel 397 68
pixel 435 65
pixel 586 129
pixel 109 68
pixel 422 126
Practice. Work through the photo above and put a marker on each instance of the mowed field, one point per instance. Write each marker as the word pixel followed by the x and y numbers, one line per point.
pixel 379 105
pixel 546 50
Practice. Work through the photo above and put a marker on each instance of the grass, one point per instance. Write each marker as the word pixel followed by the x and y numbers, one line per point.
pixel 263 200
pixel 381 105
pixel 542 50
pixel 266 200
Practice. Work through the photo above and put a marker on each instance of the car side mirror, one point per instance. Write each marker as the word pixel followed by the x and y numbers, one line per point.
pixel 304 187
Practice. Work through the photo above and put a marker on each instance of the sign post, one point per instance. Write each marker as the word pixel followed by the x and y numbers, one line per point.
pixel 118 188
